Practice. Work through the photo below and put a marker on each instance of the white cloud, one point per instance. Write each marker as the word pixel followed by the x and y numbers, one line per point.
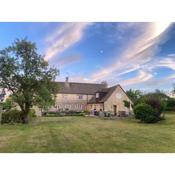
pixel 167 62
pixel 147 78
pixel 171 55
pixel 63 38
pixel 66 60
pixel 161 82
pixel 137 53
pixel 141 77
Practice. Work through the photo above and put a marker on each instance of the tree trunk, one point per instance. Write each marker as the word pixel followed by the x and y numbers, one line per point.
pixel 25 117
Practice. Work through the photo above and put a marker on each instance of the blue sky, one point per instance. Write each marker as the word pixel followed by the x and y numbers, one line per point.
pixel 136 55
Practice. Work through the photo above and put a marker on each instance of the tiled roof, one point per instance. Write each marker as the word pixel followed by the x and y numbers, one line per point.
pixel 79 88
pixel 104 94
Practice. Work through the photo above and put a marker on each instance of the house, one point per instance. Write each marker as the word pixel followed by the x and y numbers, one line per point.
pixel 89 96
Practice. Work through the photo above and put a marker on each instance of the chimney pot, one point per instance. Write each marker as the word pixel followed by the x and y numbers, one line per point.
pixel 67 79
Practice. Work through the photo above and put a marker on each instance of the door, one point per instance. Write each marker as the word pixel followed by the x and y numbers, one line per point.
pixel 115 109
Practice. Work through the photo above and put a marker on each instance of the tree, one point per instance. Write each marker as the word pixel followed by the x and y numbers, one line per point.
pixel 159 94
pixel 45 100
pixel 134 95
pixel 170 106
pixel 8 104
pixel 25 73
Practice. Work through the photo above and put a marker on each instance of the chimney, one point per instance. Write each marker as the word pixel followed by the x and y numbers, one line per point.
pixel 105 83
pixel 67 82
pixel 67 79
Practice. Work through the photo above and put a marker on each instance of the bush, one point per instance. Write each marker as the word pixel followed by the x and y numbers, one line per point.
pixel 156 103
pixel 65 113
pixel 145 113
pixel 12 116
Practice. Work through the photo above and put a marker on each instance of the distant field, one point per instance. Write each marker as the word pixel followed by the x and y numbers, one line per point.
pixel 90 135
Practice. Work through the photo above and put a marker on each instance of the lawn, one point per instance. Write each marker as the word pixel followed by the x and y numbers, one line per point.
pixel 88 135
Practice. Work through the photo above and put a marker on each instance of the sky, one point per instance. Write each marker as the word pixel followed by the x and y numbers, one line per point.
pixel 136 55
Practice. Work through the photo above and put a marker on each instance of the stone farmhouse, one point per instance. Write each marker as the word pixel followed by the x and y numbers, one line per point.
pixel 74 96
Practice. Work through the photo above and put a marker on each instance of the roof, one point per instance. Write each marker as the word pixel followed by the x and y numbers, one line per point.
pixel 104 94
pixel 79 88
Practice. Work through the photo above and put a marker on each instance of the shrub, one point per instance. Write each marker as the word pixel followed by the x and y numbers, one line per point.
pixel 156 103
pixel 145 113
pixel 63 113
pixel 12 116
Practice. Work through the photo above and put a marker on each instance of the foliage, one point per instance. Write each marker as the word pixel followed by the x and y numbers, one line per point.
pixel 26 74
pixel 66 113
pixel 32 113
pixel 170 104
pixel 160 94
pixel 173 88
pixel 134 95
pixel 45 100
pixel 145 113
pixel 12 116
pixel 8 104
pixel 155 102
pixel 126 103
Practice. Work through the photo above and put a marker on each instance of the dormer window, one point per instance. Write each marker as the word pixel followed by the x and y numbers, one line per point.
pixel 97 95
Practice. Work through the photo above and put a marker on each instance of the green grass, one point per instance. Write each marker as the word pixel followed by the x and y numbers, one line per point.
pixel 83 134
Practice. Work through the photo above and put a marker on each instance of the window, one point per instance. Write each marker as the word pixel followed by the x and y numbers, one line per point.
pixel 97 95
pixel 64 96
pixel 80 97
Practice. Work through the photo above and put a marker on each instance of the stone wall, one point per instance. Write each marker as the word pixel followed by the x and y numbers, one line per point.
pixel 75 102
pixel 117 99
pixel 98 107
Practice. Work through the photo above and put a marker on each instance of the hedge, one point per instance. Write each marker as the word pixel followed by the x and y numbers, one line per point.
pixel 15 116
pixel 12 116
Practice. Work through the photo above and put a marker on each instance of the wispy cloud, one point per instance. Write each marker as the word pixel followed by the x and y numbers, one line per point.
pixel 147 75
pixel 63 38
pixel 137 53
pixel 162 81
pixel 66 60
pixel 141 77
pixel 167 62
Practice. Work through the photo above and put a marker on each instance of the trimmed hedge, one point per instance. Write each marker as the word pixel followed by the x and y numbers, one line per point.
pixel 12 116
pixel 15 116
pixel 145 113
pixel 66 113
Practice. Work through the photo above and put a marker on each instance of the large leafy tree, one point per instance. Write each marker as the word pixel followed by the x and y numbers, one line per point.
pixel 134 95
pixel 25 73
